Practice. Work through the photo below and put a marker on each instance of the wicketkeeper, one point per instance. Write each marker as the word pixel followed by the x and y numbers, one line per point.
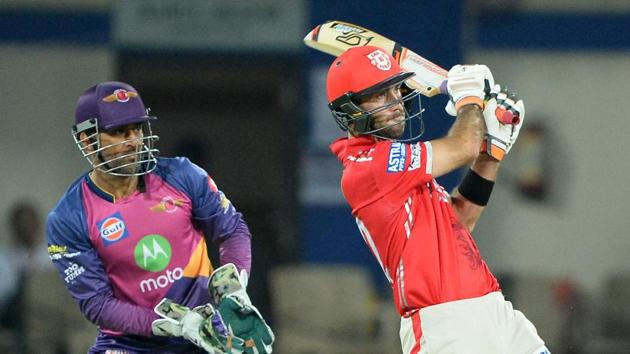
pixel 130 236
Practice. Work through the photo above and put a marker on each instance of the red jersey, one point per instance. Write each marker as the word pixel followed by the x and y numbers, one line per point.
pixel 407 221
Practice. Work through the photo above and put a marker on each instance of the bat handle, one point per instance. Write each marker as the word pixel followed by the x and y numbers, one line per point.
pixel 507 116
pixel 443 88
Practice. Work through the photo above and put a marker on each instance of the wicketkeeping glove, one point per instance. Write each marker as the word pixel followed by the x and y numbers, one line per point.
pixel 202 325
pixel 500 137
pixel 468 84
pixel 228 290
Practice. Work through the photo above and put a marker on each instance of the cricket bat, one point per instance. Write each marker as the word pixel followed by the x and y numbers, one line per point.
pixel 335 37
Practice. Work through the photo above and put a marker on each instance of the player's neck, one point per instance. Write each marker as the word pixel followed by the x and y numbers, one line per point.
pixel 353 135
pixel 118 186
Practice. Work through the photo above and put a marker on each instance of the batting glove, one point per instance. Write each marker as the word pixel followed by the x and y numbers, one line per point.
pixel 228 289
pixel 468 84
pixel 500 137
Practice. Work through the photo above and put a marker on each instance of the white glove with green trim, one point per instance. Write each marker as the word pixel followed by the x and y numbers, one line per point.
pixel 228 290
pixel 202 325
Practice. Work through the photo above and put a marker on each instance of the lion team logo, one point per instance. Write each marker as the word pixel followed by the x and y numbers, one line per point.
pixel 379 59
pixel 120 95
pixel 112 229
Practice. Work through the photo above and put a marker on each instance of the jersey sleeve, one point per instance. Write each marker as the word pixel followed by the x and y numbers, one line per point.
pixel 85 279
pixel 213 212
pixel 400 167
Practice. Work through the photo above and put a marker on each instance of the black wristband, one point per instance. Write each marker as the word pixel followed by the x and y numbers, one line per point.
pixel 476 188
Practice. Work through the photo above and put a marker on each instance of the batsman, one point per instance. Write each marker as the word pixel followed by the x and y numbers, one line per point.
pixel 448 299
pixel 130 240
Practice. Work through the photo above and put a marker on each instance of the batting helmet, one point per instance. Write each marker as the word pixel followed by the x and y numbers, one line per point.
pixel 106 106
pixel 359 72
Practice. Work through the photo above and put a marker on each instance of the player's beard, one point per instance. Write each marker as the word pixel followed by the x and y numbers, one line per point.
pixel 117 165
pixel 395 127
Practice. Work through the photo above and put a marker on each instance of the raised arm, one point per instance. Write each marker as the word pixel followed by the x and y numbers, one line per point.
pixel 473 193
pixel 467 87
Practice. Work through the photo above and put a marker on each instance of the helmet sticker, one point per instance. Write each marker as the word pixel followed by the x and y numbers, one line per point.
pixel 120 95
pixel 379 59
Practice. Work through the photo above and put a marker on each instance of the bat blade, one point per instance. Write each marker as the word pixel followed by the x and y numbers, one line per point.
pixel 335 37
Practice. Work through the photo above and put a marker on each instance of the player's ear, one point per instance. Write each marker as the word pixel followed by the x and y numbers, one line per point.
pixel 87 143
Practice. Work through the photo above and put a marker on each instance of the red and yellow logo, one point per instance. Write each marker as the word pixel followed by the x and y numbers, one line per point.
pixel 120 95
pixel 112 229
pixel 168 204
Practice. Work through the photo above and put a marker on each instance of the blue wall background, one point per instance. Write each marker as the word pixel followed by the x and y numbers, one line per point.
pixel 432 29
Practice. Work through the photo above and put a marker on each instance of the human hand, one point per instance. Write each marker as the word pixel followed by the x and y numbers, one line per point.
pixel 228 290
pixel 202 325
pixel 468 84
pixel 500 137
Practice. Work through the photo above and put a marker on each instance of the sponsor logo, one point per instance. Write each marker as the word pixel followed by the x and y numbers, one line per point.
pixel 225 203
pixel 343 28
pixel 351 36
pixel 153 253
pixel 72 272
pixel 58 252
pixel 415 156
pixel 161 281
pixel 379 59
pixel 120 95
pixel 167 204
pixel 360 159
pixel 396 161
pixel 57 256
pixel 57 249
pixel 112 229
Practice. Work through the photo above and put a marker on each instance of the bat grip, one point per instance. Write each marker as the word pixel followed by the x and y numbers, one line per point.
pixel 507 116
pixel 443 88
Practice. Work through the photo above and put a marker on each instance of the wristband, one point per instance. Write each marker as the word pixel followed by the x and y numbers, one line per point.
pixel 469 100
pixel 476 188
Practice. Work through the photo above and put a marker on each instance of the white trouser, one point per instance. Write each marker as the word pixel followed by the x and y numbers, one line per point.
pixel 486 324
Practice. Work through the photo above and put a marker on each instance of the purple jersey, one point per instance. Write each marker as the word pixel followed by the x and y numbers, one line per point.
pixel 119 258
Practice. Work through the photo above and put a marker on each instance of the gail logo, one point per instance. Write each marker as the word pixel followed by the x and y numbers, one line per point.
pixel 379 59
